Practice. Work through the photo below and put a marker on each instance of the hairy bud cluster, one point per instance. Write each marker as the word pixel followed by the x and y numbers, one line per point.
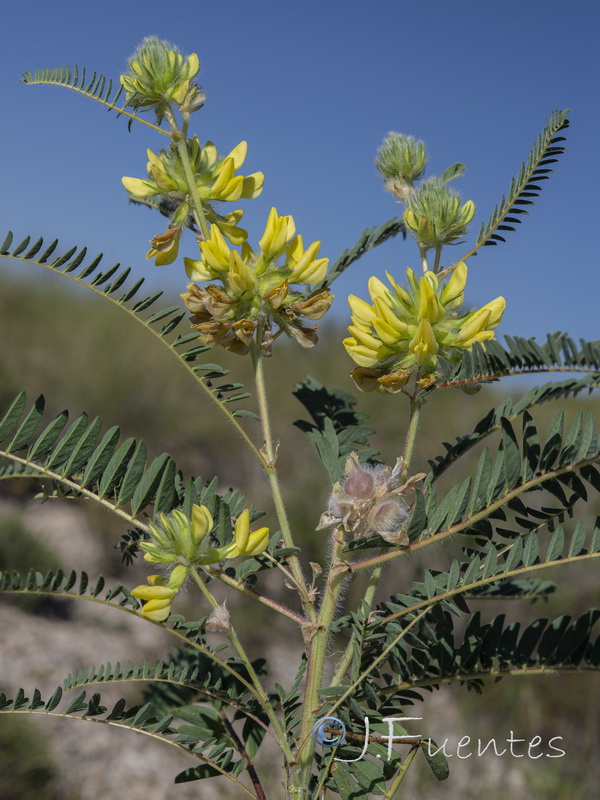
pixel 159 75
pixel 401 160
pixel 435 214
pixel 368 500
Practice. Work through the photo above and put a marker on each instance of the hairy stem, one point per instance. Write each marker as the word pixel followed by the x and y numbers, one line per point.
pixel 365 607
pixel 316 659
pixel 260 598
pixel 411 436
pixel 269 456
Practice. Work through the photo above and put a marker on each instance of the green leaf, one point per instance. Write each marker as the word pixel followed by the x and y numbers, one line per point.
pixel 456 170
pixel 100 457
pixel 84 448
pixel 28 426
pixel 544 151
pixel 45 442
pixel 196 774
pixel 436 759
pixel 116 467
pixel 148 485
pixel 133 474
pixel 10 419
pixel 68 443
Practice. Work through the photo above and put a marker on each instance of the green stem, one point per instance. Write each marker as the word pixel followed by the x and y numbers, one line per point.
pixel 438 253
pixel 365 607
pixel 381 657
pixel 411 435
pixel 316 659
pixel 259 690
pixel 423 254
pixel 409 444
pixel 399 777
pixel 269 455
pixel 260 598
pixel 181 143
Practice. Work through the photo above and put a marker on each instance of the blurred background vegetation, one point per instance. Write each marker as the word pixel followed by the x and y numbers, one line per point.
pixel 83 354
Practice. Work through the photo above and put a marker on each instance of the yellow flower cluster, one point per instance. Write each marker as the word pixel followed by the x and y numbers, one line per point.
pixel 177 540
pixel 408 328
pixel 256 285
pixel 215 179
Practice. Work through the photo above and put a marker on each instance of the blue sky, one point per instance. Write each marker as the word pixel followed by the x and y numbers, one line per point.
pixel 313 87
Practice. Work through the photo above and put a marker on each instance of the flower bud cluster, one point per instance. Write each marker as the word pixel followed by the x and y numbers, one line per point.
pixel 215 178
pixel 181 543
pixel 256 287
pixel 409 328
pixel 435 214
pixel 401 160
pixel 368 500
pixel 159 75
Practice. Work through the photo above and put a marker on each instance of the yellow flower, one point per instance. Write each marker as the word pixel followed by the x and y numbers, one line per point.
pixel 158 594
pixel 247 543
pixel 278 231
pixel 165 246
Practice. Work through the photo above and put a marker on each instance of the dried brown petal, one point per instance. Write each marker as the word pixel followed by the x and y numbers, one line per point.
pixel 306 337
pixel 315 305
pixel 277 294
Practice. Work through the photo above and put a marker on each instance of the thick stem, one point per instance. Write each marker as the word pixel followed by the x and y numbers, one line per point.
pixel 366 606
pixel 316 660
pixel 438 254
pixel 411 436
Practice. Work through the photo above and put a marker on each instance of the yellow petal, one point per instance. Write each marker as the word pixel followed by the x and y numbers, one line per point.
pixel 225 175
pixel 209 154
pixel 363 312
pixel 238 154
pixel 257 542
pixel 157 610
pixel 252 185
pixel 362 355
pixel 423 344
pixel 453 290
pixel 202 522
pixel 198 270
pixel 242 530
pixel 377 288
pixel 153 592
pixel 140 188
